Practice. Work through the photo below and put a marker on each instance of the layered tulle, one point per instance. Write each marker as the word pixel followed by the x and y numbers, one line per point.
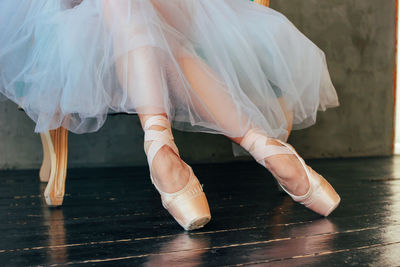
pixel 212 66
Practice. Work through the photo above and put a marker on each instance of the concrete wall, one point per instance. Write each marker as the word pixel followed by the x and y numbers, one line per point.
pixel 358 37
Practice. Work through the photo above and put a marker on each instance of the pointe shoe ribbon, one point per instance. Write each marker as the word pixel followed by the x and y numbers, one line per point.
pixel 321 197
pixel 189 205
pixel 158 139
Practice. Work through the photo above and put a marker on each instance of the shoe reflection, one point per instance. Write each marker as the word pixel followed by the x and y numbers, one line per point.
pixel 53 218
pixel 305 238
pixel 182 250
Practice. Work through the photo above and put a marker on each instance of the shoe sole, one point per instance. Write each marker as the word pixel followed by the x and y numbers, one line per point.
pixel 333 208
pixel 198 223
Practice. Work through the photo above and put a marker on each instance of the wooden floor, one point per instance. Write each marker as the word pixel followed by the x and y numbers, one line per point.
pixel 114 216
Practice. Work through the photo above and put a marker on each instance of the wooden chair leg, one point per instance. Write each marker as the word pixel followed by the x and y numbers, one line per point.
pixel 262 2
pixel 54 165
pixel 49 157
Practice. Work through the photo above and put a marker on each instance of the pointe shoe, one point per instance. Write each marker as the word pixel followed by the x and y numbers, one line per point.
pixel 189 205
pixel 320 198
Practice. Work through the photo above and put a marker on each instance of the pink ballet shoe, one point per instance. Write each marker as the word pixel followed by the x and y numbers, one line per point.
pixel 320 198
pixel 189 205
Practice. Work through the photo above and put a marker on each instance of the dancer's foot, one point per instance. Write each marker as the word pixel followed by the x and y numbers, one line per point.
pixel 181 193
pixel 300 181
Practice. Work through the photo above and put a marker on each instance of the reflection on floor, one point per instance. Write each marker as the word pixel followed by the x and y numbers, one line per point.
pixel 113 216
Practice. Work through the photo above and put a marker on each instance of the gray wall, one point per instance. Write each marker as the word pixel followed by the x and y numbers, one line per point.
pixel 358 37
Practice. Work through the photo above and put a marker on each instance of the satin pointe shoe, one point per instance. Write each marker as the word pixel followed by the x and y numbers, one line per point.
pixel 320 198
pixel 189 205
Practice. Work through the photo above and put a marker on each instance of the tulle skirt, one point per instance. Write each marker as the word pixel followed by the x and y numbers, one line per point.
pixel 216 66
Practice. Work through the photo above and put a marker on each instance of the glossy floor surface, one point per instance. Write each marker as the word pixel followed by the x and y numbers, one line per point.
pixel 114 217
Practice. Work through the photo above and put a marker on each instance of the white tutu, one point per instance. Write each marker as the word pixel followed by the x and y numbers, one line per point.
pixel 212 66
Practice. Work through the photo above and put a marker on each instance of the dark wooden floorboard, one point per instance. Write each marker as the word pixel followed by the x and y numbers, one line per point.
pixel 114 216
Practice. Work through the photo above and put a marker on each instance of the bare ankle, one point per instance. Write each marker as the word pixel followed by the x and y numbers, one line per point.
pixel 170 172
